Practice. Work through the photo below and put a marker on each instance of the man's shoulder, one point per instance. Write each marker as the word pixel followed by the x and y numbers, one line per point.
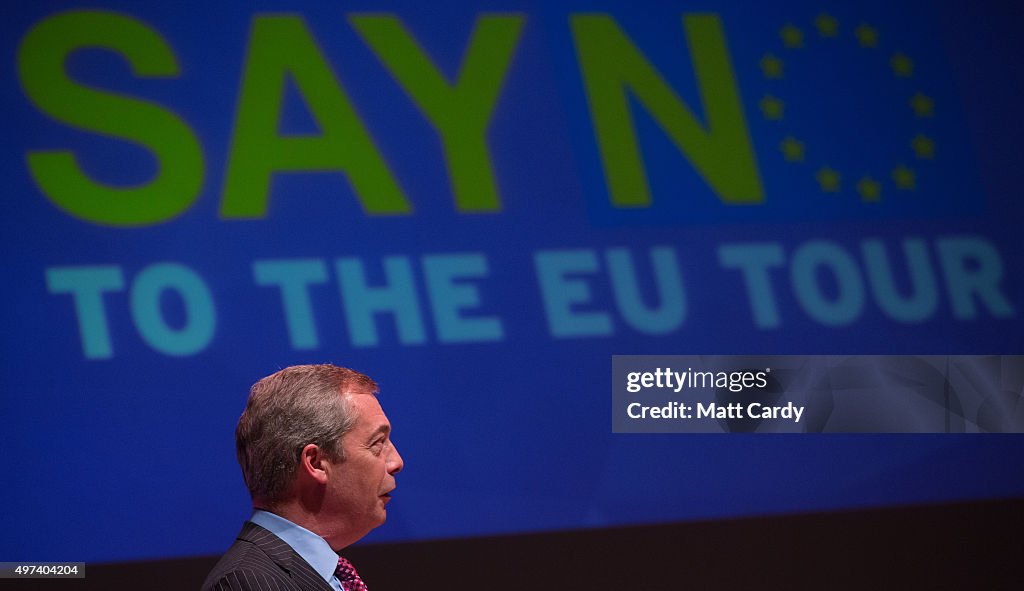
pixel 252 563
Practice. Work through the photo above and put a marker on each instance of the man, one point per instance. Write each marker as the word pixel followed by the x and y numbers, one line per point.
pixel 316 454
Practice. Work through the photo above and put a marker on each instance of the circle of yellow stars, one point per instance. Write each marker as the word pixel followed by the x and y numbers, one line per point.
pixel 773 108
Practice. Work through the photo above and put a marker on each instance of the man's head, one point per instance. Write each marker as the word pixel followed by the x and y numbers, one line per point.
pixel 314 445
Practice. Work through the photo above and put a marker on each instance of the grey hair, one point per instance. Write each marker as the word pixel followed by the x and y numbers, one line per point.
pixel 288 410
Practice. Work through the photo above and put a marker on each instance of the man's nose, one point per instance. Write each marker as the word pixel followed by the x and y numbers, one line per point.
pixel 395 462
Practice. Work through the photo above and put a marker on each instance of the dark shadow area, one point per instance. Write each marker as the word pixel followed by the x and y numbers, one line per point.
pixel 976 545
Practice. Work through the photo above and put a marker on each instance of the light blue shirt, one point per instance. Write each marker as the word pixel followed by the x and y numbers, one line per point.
pixel 311 547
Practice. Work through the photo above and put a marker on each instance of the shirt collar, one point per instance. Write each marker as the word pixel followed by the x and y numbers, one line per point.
pixel 311 547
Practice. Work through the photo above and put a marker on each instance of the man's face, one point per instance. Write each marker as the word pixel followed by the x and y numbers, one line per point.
pixel 359 487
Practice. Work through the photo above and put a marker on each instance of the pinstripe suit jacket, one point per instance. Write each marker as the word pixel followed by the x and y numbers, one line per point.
pixel 261 561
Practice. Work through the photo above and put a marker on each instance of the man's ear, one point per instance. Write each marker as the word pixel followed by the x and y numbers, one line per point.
pixel 311 463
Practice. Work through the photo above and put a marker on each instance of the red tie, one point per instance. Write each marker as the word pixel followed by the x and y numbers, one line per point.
pixel 348 576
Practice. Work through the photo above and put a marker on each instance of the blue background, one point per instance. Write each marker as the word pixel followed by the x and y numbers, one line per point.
pixel 132 457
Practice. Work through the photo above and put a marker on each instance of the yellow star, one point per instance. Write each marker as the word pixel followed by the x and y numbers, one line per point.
pixel 828 180
pixel 924 147
pixel 904 178
pixel 827 25
pixel 902 65
pixel 792 149
pixel 869 189
pixel 866 35
pixel 771 66
pixel 771 107
pixel 922 105
pixel 792 37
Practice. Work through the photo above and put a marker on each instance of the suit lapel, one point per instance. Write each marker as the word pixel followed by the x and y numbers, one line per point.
pixel 284 557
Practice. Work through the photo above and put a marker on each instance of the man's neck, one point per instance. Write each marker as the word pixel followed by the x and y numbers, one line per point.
pixel 294 511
